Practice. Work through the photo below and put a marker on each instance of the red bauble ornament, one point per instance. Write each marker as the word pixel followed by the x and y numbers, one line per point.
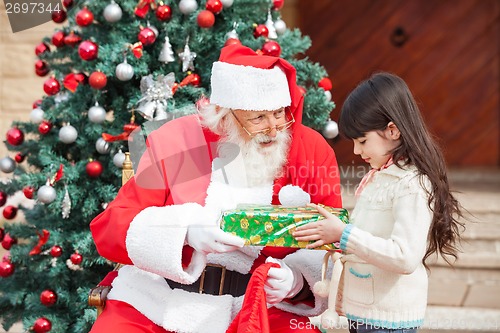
pixel 59 16
pixel 215 6
pixel 2 232
pixel 88 50
pixel 8 241
pixel 325 83
pixel 260 31
pixel 3 198
pixel 94 169
pixel 19 158
pixel 41 68
pixel 44 127
pixel 146 36
pixel 278 4
pixel 67 3
pixel 9 212
pixel 6 269
pixel 58 39
pixel 84 17
pixel 72 39
pixel 76 258
pixel 15 136
pixel 56 251
pixel 28 192
pixel 271 48
pixel 98 80
pixel 51 86
pixel 48 297
pixel 164 13
pixel 231 41
pixel 42 325
pixel 41 48
pixel 205 19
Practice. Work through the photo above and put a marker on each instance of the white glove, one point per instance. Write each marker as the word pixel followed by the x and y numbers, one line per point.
pixel 283 282
pixel 211 239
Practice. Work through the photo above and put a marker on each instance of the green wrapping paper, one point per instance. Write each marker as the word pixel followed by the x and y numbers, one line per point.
pixel 273 225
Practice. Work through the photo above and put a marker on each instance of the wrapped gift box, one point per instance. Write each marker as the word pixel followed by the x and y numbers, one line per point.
pixel 273 225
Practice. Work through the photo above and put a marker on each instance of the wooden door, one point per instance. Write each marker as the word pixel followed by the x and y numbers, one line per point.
pixel 450 61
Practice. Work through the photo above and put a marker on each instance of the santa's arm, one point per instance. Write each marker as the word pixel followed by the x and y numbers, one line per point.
pixel 142 227
pixel 326 179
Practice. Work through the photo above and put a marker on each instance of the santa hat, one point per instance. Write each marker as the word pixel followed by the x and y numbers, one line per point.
pixel 242 79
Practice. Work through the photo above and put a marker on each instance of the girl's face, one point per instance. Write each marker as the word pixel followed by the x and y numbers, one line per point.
pixel 375 146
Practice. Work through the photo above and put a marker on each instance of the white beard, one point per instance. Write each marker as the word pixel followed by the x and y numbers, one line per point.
pixel 262 165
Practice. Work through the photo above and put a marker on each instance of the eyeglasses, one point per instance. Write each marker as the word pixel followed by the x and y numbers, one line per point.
pixel 268 130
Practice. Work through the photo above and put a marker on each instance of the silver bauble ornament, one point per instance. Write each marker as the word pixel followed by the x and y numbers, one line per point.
pixel 124 71
pixel 188 6
pixel 280 26
pixel 46 194
pixel 328 95
pixel 102 146
pixel 68 134
pixel 118 159
pixel 36 115
pixel 97 114
pixel 7 164
pixel 331 130
pixel 227 3
pixel 112 13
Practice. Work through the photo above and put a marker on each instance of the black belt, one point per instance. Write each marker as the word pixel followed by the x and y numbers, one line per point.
pixel 216 280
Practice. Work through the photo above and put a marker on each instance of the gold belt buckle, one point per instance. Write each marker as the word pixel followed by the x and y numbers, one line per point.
pixel 222 277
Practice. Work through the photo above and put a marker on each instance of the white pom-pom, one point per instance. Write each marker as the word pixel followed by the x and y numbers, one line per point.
pixel 330 319
pixel 322 288
pixel 293 196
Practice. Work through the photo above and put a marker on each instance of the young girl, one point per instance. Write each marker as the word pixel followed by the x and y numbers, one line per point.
pixel 404 211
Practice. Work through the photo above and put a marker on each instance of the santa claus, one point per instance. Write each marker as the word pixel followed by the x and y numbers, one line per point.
pixel 247 145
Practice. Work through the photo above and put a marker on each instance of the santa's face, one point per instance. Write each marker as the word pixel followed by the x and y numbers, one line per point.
pixel 262 126
pixel 264 155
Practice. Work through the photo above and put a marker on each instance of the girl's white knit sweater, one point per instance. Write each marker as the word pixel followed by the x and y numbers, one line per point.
pixel 384 280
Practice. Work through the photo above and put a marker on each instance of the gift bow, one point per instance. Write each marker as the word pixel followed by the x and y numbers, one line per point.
pixel 136 49
pixel 43 238
pixel 143 6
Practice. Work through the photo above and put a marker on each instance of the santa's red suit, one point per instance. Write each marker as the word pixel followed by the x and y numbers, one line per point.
pixel 176 186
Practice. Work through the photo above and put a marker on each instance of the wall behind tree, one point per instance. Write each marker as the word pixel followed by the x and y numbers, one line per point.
pixel 19 85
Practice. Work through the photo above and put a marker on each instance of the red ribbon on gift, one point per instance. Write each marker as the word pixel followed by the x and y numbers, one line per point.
pixel 136 49
pixel 143 6
pixel 43 239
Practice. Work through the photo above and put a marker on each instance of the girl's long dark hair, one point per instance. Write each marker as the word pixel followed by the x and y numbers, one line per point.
pixel 370 107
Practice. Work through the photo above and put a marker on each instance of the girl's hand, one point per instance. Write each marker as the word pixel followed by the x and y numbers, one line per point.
pixel 322 232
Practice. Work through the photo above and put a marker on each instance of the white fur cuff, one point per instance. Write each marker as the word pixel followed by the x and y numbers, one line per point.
pixel 155 240
pixel 309 263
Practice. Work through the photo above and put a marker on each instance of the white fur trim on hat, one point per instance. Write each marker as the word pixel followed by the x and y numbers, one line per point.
pixel 249 88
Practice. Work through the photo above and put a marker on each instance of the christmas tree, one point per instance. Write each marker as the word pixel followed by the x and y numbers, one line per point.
pixel 111 67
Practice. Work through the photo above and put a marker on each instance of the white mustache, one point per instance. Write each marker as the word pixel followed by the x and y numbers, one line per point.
pixel 260 138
